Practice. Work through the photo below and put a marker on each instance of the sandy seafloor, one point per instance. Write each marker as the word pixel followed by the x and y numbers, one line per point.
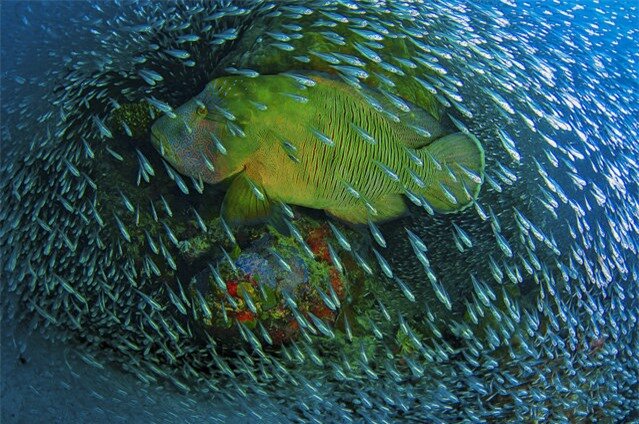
pixel 37 386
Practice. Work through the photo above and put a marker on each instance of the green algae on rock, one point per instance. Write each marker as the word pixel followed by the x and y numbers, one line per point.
pixel 134 119
pixel 275 287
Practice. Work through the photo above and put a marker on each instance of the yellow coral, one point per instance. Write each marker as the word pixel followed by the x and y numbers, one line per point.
pixel 136 116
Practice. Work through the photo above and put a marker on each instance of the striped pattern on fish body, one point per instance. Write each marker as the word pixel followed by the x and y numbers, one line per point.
pixel 319 153
pixel 321 177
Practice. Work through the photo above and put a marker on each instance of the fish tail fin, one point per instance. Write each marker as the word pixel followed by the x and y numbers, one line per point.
pixel 458 164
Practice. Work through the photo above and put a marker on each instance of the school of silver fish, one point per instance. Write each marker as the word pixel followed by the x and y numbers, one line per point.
pixel 526 303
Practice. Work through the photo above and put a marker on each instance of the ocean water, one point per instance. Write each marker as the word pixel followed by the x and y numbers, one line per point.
pixel 127 296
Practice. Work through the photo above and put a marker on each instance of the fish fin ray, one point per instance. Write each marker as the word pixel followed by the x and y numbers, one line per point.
pixel 241 205
pixel 453 150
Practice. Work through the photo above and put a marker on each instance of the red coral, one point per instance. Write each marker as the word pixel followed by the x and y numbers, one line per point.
pixel 322 312
pixel 244 316
pixel 317 242
pixel 293 326
pixel 231 286
pixel 336 282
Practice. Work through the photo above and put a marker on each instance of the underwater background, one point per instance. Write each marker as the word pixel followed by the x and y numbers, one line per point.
pixel 127 297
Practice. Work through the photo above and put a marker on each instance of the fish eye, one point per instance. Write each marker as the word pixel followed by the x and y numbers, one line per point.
pixel 201 109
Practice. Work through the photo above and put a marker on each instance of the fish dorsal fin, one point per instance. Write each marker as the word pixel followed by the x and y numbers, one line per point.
pixel 245 202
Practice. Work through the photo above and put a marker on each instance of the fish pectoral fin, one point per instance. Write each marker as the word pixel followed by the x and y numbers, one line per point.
pixel 462 155
pixel 245 202
pixel 385 208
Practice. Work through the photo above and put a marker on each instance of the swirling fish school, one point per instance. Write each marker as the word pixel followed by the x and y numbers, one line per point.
pixel 520 307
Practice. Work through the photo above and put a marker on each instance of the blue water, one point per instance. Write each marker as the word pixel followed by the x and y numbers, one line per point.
pixel 569 77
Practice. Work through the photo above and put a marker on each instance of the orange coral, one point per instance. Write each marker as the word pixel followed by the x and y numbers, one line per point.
pixel 323 312
pixel 336 282
pixel 244 316
pixel 316 240
pixel 231 286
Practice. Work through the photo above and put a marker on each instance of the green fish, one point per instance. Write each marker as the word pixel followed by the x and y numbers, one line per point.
pixel 327 145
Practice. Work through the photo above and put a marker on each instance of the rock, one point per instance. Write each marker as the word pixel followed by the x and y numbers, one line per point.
pixel 273 286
